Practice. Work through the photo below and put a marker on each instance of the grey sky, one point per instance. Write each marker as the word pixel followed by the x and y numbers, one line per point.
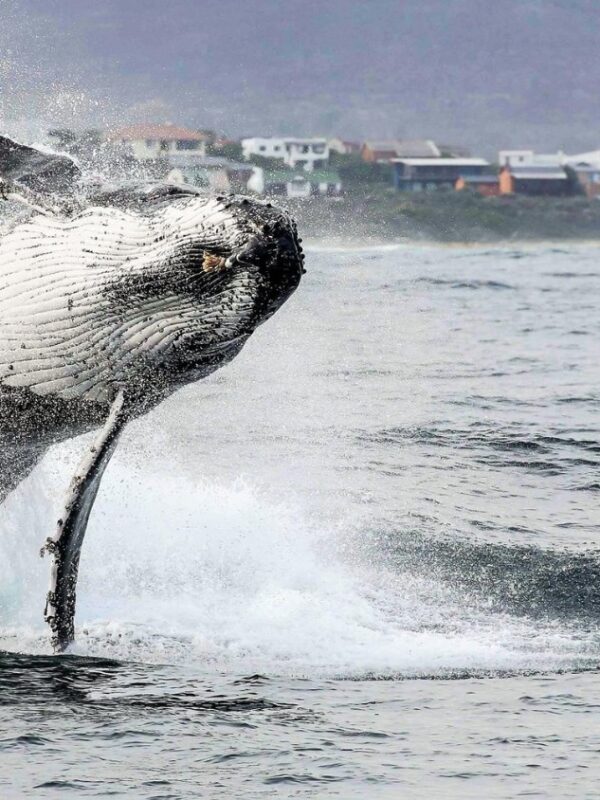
pixel 484 73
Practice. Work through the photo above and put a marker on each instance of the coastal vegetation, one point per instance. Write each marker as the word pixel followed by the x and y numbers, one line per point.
pixel 380 213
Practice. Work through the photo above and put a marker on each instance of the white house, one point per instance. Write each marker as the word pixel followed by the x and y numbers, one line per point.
pixel 159 141
pixel 298 187
pixel 303 184
pixel 308 154
pixel 587 169
pixel 585 166
pixel 280 182
pixel 211 173
pixel 591 159
pixel 343 146
pixel 529 158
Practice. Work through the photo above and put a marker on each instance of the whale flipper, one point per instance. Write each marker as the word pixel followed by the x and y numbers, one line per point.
pixel 65 545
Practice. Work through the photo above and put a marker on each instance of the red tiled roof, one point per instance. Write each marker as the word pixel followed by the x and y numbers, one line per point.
pixel 149 131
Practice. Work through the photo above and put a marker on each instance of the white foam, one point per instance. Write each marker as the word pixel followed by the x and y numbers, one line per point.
pixel 236 581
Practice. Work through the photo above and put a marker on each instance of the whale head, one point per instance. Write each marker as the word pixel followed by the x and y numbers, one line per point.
pixel 143 290
pixel 267 243
pixel 216 269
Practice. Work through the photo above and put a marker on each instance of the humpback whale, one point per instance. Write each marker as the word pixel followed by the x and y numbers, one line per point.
pixel 110 300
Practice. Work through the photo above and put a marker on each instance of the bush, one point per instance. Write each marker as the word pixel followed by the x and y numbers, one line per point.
pixel 353 170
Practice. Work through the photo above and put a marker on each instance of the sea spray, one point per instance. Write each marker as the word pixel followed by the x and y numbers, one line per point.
pixel 231 579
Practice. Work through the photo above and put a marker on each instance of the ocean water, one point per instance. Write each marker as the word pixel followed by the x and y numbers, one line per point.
pixel 362 561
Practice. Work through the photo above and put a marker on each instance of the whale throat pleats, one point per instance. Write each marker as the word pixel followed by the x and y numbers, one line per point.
pixel 91 302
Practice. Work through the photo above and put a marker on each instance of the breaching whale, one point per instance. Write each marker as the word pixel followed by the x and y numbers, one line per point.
pixel 109 301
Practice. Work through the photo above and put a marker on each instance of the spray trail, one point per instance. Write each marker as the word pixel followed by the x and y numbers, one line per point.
pixel 226 577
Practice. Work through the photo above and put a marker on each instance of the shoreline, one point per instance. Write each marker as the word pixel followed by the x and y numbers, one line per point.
pixel 446 218
pixel 354 243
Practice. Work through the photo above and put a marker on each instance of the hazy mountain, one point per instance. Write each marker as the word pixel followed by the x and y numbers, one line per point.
pixel 482 73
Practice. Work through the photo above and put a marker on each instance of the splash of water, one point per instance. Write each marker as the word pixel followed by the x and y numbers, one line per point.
pixel 235 580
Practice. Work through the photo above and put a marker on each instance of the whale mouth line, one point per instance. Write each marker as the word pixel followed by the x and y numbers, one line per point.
pixel 253 253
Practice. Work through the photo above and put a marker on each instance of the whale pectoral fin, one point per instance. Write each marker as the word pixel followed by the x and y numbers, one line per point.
pixel 65 545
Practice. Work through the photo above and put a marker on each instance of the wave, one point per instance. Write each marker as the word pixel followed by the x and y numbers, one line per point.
pixel 530 582
pixel 235 581
pixel 500 447
pixel 464 284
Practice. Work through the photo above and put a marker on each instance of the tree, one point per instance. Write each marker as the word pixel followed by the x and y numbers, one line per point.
pixel 354 171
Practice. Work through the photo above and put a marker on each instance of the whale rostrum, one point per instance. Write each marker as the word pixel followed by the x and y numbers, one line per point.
pixel 109 301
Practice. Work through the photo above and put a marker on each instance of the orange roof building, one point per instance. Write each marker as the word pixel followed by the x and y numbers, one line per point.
pixel 149 140
pixel 485 185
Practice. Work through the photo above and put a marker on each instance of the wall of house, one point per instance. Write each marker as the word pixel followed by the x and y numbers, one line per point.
pixel 155 148
pixel 298 189
pixel 327 189
pixel 529 158
pixel 306 154
pixel 491 189
pixel 590 183
pixel 506 182
pixel 267 148
pixel 515 158
pixel 342 147
pixel 367 154
pixel 423 178
pixel 549 187
pixel 374 156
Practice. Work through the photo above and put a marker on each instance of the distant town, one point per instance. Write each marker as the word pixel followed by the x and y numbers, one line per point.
pixel 300 168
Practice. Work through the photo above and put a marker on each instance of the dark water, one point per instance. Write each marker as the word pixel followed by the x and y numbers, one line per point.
pixel 362 561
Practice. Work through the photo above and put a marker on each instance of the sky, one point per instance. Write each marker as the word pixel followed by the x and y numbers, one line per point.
pixel 485 74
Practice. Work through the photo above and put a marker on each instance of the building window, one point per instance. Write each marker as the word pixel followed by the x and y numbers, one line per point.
pixel 150 142
pixel 187 144
pixel 262 148
pixel 276 148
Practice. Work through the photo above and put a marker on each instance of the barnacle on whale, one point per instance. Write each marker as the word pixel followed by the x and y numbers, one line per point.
pixel 212 262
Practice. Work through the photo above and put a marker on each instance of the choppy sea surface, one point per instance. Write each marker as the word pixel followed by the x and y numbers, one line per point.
pixel 362 561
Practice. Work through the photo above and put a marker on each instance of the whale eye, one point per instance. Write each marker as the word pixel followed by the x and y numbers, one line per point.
pixel 212 263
